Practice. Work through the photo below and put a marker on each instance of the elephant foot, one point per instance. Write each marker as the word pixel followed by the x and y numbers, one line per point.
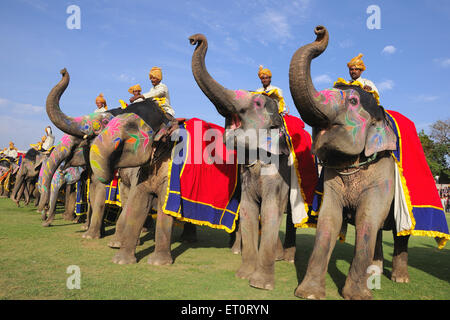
pixel 189 237
pixel 43 216
pixel 310 291
pixel 91 235
pixel 84 227
pixel 245 271
pixel 289 254
pixel 262 280
pixel 124 257
pixel 400 276
pixel 160 259
pixel 47 223
pixel 355 291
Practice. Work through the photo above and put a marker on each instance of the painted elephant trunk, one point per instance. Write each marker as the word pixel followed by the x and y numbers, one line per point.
pixel 304 95
pixel 219 96
pixel 19 181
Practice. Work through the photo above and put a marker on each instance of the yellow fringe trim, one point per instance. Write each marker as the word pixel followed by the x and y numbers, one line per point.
pixel 274 93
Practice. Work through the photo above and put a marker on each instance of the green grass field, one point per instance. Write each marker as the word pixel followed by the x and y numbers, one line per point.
pixel 34 261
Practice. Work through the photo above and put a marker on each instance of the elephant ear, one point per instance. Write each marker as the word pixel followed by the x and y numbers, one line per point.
pixel 380 137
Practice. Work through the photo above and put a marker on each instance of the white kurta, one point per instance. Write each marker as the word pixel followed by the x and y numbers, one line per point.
pixel 102 109
pixel 48 143
pixel 10 153
pixel 161 91
pixel 366 82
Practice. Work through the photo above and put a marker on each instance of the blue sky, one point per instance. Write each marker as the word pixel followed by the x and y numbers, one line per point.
pixel 408 58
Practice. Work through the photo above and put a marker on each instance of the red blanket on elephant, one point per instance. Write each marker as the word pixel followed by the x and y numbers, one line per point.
pixel 418 207
pixel 203 183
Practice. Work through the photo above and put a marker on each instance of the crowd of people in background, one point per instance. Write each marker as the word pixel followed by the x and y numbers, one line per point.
pixel 444 193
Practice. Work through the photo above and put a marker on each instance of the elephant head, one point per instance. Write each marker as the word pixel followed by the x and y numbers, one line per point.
pixel 244 111
pixel 127 141
pixel 29 169
pixel 346 120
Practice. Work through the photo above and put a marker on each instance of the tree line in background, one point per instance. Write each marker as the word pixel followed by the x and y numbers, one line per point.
pixel 436 146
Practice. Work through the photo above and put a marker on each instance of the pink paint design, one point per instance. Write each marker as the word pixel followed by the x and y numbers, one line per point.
pixel 240 94
pixel 66 140
pixel 114 126
pixel 329 95
pixel 146 139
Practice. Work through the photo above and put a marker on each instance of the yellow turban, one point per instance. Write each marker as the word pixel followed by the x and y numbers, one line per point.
pixel 357 62
pixel 101 98
pixel 155 72
pixel 264 71
pixel 134 88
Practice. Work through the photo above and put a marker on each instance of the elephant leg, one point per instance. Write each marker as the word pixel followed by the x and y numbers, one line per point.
pixel 135 213
pixel 370 216
pixel 19 194
pixel 52 204
pixel 378 255
pixel 328 227
pixel 37 196
pixel 163 235
pixel 70 198
pixel 249 227
pixel 98 210
pixel 236 239
pixel 26 193
pixel 264 275
pixel 116 240
pixel 289 239
pixel 400 259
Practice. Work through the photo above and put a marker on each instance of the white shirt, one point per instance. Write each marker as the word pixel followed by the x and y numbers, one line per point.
pixel 10 153
pixel 102 109
pixel 48 143
pixel 161 91
pixel 366 82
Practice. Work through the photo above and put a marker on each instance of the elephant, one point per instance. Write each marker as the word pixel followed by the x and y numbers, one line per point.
pixel 8 171
pixel 87 128
pixel 63 151
pixel 353 141
pixel 265 184
pixel 63 176
pixel 27 174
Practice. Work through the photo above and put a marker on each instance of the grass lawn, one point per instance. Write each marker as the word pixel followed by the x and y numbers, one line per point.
pixel 34 261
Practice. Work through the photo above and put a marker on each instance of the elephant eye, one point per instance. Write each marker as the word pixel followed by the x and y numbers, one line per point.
pixel 353 101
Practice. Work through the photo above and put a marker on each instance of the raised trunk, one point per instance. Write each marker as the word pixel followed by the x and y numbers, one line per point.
pixel 20 179
pixel 80 127
pixel 216 93
pixel 304 95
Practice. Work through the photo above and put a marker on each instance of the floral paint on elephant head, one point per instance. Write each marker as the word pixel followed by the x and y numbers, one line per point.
pixel 133 140
pixel 331 97
pixel 354 122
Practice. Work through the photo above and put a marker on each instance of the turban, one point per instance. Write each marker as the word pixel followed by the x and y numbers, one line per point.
pixel 101 98
pixel 264 71
pixel 134 88
pixel 357 62
pixel 156 72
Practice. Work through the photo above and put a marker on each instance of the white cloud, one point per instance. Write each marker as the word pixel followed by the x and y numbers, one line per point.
pixel 322 79
pixel 123 77
pixel 20 108
pixel 427 98
pixel 385 85
pixel 389 50
pixel 443 62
